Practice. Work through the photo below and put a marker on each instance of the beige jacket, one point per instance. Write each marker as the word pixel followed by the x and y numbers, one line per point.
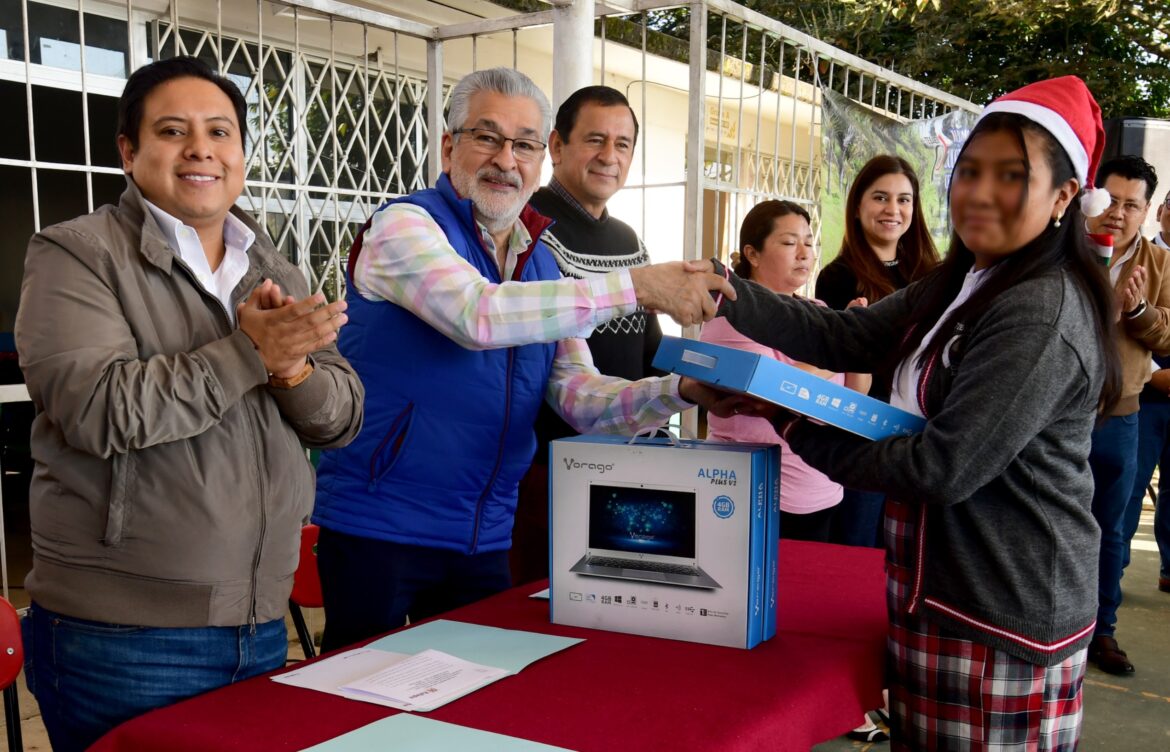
pixel 1148 333
pixel 170 481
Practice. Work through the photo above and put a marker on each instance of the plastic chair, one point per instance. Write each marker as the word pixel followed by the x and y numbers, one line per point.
pixel 11 661
pixel 306 591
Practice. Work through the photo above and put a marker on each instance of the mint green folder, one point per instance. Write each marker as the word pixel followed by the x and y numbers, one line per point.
pixel 509 649
pixel 411 733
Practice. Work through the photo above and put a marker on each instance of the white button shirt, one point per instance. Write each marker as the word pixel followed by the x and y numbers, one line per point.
pixel 221 283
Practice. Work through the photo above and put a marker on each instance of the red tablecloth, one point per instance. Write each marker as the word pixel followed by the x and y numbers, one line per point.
pixel 810 683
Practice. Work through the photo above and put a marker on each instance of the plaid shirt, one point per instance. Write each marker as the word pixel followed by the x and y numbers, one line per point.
pixel 407 260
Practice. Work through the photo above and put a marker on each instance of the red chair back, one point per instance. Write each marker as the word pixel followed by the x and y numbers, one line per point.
pixel 11 647
pixel 306 591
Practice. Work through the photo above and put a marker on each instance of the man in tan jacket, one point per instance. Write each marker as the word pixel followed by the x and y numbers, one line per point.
pixel 1162 237
pixel 1141 277
pixel 177 364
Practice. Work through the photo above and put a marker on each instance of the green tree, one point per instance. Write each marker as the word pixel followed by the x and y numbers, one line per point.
pixel 978 49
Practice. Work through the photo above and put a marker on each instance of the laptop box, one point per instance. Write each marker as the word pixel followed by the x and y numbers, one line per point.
pixel 664 538
pixel 770 380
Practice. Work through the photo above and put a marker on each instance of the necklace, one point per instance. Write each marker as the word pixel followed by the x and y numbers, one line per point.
pixel 893 262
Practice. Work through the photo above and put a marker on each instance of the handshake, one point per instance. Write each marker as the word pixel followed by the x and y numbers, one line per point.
pixel 684 290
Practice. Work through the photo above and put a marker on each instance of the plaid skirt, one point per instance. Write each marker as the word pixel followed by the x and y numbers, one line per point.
pixel 949 693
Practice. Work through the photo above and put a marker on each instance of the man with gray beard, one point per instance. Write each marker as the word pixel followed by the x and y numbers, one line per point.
pixel 460 326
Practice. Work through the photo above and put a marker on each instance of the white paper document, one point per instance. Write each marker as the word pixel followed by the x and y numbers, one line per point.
pixel 425 681
pixel 331 674
pixel 405 670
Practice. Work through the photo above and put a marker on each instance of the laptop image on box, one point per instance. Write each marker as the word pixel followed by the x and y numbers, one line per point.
pixel 647 533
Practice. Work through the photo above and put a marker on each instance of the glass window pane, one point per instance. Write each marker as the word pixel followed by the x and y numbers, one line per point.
pixel 57 122
pixel 14 124
pixel 16 198
pixel 107 189
pixel 103 125
pixel 62 195
pixel 11 31
pixel 55 40
pixel 106 46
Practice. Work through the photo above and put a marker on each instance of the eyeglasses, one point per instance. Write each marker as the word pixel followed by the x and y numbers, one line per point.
pixel 489 142
pixel 1129 207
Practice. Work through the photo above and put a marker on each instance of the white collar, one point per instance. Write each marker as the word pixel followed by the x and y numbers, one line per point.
pixel 1118 263
pixel 184 241
pixel 235 232
pixel 519 241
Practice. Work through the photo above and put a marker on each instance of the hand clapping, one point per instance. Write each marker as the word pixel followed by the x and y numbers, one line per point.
pixel 284 330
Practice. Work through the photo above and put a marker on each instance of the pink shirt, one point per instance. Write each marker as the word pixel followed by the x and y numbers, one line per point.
pixel 803 490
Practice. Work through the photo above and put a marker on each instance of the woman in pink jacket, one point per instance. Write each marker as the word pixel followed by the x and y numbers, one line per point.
pixel 776 250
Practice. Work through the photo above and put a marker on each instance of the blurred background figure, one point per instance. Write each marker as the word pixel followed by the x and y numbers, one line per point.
pixel 886 246
pixel 591 148
pixel 776 249
pixel 1140 274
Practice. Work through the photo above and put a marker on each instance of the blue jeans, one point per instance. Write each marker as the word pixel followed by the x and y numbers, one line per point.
pixel 1162 524
pixel 1153 451
pixel 89 676
pixel 370 586
pixel 1113 459
pixel 858 519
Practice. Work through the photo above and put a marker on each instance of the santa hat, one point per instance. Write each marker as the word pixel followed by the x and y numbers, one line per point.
pixel 1065 108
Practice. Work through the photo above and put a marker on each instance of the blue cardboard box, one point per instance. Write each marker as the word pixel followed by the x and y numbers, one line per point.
pixel 664 538
pixel 748 373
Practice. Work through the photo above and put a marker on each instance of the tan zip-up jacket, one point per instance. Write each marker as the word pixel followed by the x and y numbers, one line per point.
pixel 170 481
pixel 1150 332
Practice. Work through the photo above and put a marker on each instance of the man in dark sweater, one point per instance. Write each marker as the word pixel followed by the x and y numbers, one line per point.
pixel 592 146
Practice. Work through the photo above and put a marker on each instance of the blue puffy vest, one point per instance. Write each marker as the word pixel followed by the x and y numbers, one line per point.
pixel 448 432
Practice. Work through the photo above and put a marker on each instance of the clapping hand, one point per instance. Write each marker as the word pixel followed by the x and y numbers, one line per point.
pixel 284 330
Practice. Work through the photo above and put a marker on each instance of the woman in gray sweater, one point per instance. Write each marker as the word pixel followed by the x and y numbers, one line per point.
pixel 1007 350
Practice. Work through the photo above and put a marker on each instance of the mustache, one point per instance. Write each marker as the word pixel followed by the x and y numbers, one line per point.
pixel 510 178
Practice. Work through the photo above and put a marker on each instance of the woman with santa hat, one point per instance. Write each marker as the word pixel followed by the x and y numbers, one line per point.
pixel 1007 350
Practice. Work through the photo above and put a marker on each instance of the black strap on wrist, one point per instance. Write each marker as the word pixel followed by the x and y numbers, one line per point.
pixel 1138 311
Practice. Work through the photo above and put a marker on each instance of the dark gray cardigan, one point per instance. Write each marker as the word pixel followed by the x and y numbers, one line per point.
pixel 1009 543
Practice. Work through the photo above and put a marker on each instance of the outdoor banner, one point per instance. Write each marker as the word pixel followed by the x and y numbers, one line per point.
pixel 853 134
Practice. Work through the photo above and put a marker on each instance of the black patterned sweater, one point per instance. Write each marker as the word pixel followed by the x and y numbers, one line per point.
pixel 585 246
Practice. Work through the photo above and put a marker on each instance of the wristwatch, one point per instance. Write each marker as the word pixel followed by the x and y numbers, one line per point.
pixel 1138 311
pixel 288 383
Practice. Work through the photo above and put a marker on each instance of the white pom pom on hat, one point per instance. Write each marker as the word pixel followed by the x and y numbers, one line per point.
pixel 1065 108
pixel 1094 201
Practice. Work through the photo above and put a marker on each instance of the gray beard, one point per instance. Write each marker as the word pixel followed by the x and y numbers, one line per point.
pixel 466 186
pixel 498 224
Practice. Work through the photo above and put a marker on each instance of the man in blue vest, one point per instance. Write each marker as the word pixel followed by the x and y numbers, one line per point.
pixel 460 327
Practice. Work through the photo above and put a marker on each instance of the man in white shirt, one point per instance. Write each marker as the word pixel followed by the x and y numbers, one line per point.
pixel 177 364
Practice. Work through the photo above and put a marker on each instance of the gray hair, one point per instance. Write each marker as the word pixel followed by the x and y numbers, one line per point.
pixel 506 81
